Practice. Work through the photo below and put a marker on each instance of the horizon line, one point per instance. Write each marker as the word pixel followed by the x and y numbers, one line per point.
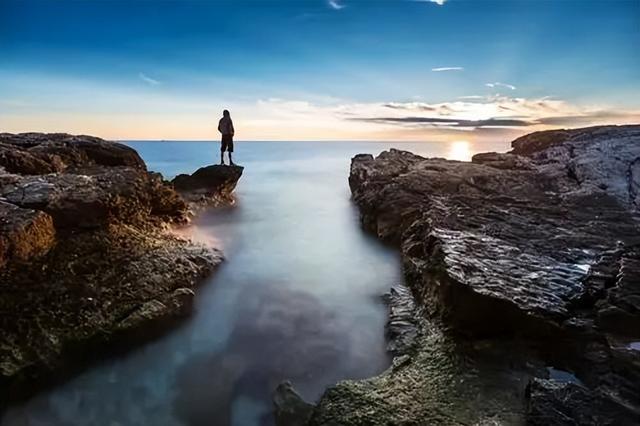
pixel 289 141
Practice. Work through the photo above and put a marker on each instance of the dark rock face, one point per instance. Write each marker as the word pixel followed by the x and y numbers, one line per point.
pixel 553 403
pixel 85 263
pixel 402 328
pixel 538 245
pixel 290 408
pixel 209 185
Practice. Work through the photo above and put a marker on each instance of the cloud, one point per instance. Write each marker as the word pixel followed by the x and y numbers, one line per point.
pixel 148 79
pixel 408 105
pixel 495 112
pixel 334 4
pixel 438 2
pixel 441 109
pixel 452 122
pixel 498 84
pixel 440 69
pixel 481 116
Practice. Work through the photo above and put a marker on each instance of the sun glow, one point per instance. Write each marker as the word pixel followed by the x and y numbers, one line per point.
pixel 459 150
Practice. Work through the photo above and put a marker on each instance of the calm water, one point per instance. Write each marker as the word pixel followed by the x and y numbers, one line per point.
pixel 298 297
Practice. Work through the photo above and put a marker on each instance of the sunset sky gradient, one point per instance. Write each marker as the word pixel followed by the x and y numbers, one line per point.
pixel 318 69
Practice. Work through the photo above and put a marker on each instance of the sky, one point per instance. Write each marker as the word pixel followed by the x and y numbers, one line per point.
pixel 432 70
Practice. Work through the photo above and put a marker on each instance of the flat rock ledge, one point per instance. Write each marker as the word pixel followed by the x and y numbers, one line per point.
pixel 86 265
pixel 525 267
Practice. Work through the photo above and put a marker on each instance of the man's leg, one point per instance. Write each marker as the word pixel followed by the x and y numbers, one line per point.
pixel 230 160
pixel 221 157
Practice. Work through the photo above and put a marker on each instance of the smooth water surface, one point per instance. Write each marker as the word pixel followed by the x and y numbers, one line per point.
pixel 298 297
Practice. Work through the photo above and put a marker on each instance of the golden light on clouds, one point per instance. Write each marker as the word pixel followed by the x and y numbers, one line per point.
pixel 115 113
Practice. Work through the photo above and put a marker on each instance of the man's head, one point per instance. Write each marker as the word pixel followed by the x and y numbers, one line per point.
pixel 225 113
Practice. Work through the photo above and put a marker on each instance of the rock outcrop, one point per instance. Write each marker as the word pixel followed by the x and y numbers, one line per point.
pixel 41 153
pixel 507 243
pixel 519 261
pixel 211 185
pixel 86 266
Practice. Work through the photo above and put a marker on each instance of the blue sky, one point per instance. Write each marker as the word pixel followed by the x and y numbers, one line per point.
pixel 318 69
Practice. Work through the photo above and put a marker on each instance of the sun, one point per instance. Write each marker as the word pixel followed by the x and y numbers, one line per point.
pixel 459 150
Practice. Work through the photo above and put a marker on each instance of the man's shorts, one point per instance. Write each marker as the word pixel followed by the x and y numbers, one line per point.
pixel 227 143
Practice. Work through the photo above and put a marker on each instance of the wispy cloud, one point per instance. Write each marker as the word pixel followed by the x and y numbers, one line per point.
pixel 440 69
pixel 334 4
pixel 148 79
pixel 453 123
pixel 498 84
pixel 438 2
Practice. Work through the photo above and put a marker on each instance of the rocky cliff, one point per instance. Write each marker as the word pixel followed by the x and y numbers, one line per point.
pixel 85 264
pixel 526 270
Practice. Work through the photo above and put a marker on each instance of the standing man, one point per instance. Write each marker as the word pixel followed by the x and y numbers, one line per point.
pixel 225 126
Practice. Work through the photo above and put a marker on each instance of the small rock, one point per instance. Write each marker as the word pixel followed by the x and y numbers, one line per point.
pixel 290 408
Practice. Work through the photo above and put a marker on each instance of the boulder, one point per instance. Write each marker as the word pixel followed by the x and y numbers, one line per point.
pixel 209 185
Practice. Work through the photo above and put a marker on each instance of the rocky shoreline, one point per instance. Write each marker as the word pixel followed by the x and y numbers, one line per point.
pixel 525 272
pixel 87 266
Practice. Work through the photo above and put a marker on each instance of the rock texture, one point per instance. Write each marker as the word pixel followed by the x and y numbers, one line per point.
pixel 553 403
pixel 522 260
pixel 211 185
pixel 85 263
pixel 24 233
pixel 505 243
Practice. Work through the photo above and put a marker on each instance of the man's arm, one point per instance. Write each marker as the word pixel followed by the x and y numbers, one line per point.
pixel 233 131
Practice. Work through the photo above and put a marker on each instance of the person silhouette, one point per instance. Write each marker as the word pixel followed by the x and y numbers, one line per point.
pixel 225 127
